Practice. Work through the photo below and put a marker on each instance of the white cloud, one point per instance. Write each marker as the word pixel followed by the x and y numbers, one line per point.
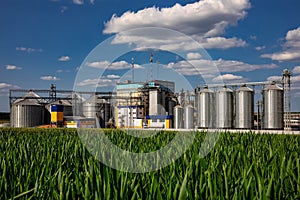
pixel 103 82
pixel 78 2
pixel 92 2
pixel 12 67
pixel 59 71
pixel 229 78
pixel 208 67
pixel 205 21
pixel 28 50
pixel 259 48
pixel 64 58
pixel 113 76
pixel 49 78
pixel 274 78
pixel 193 56
pixel 279 78
pixel 296 70
pixel 5 87
pixel 291 48
pixel 112 66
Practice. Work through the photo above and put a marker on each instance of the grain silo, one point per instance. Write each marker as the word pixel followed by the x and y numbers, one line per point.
pixel 224 106
pixel 273 107
pixel 27 112
pixel 178 117
pixel 95 107
pixel 188 117
pixel 244 108
pixel 206 108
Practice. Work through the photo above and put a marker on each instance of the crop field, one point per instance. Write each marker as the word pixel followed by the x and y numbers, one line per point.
pixel 54 164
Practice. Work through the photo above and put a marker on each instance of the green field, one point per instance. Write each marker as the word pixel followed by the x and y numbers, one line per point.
pixel 53 164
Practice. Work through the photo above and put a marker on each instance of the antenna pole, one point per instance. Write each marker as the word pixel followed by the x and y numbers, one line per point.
pixel 151 67
pixel 132 71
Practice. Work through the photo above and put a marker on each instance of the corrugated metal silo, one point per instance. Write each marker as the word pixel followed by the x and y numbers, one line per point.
pixel 206 108
pixel 224 106
pixel 244 101
pixel 27 112
pixel 273 107
pixel 178 117
pixel 189 117
pixel 77 104
pixel 96 107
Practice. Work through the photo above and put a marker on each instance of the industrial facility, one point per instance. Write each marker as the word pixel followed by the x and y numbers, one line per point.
pixel 154 104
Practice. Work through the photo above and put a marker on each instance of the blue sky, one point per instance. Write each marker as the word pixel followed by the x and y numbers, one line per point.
pixel 46 41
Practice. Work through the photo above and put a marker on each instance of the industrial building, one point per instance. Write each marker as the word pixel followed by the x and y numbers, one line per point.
pixel 154 104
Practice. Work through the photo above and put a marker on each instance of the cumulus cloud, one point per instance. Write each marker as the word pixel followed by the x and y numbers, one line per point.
pixel 259 48
pixel 64 58
pixel 28 50
pixel 291 48
pixel 205 67
pixel 113 76
pixel 5 87
pixel 193 56
pixel 78 2
pixel 229 78
pixel 12 67
pixel 49 78
pixel 112 66
pixel 103 82
pixel 294 79
pixel 296 70
pixel 205 21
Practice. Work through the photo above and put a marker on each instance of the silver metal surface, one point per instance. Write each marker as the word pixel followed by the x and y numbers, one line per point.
pixel 244 108
pixel 157 103
pixel 27 113
pixel 224 106
pixel 188 117
pixel 171 104
pixel 206 108
pixel 273 107
pixel 178 117
pixel 96 107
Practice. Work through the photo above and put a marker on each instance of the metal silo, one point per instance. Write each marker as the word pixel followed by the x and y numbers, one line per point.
pixel 178 117
pixel 96 107
pixel 27 113
pixel 273 107
pixel 206 108
pixel 188 117
pixel 224 106
pixel 244 101
pixel 77 104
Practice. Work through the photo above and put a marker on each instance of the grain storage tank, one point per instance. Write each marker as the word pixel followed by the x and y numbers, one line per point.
pixel 96 107
pixel 224 101
pixel 27 112
pixel 189 117
pixel 273 107
pixel 77 104
pixel 244 101
pixel 171 103
pixel 206 108
pixel 178 117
